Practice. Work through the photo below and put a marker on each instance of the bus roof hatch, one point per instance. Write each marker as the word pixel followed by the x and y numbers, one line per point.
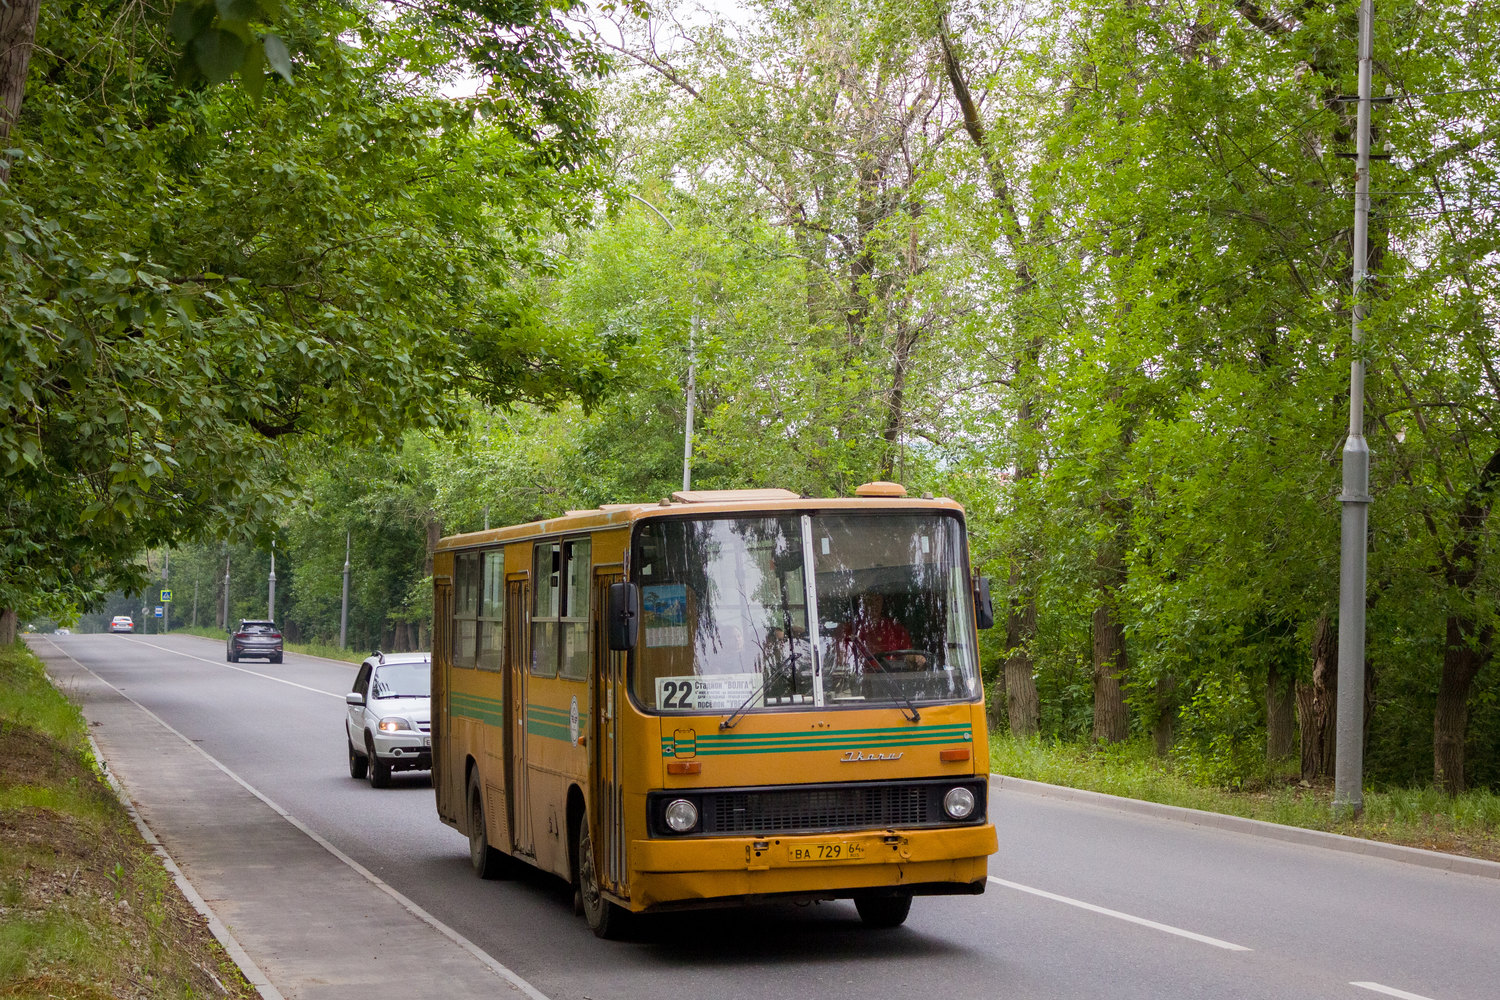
pixel 728 496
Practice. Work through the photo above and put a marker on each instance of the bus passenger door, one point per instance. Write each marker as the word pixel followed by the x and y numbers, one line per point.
pixel 445 786
pixel 607 681
pixel 518 669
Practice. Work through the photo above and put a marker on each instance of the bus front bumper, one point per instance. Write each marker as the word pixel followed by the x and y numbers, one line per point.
pixel 827 866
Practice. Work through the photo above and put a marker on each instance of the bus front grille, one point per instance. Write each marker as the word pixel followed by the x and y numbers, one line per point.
pixel 799 809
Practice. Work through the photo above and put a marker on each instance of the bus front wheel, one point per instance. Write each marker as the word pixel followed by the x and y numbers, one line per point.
pixel 884 911
pixel 605 919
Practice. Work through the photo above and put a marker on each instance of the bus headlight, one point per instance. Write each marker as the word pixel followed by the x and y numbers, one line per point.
pixel 681 816
pixel 958 803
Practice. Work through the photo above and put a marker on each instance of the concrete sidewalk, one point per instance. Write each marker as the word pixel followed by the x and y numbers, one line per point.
pixel 303 920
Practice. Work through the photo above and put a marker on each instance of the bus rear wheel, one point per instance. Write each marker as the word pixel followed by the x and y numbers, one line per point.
pixel 488 863
pixel 884 911
pixel 605 919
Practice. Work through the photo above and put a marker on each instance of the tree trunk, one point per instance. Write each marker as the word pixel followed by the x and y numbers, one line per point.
pixel 1466 650
pixel 1317 703
pixel 1022 707
pixel 1280 723
pixel 434 535
pixel 895 421
pixel 1164 728
pixel 17 35
pixel 995 700
pixel 1111 722
pixel 7 626
pixel 1450 725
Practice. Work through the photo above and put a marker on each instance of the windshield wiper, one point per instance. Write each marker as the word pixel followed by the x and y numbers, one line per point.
pixel 729 720
pixel 789 662
pixel 908 709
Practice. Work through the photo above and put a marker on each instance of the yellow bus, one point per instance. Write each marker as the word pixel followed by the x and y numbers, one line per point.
pixel 727 697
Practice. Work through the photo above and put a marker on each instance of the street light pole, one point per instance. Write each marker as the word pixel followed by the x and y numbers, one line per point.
pixel 692 380
pixel 271 585
pixel 344 614
pixel 166 606
pixel 226 585
pixel 1348 769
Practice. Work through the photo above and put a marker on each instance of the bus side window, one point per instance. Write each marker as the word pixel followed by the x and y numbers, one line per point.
pixel 574 608
pixel 492 612
pixel 545 605
pixel 465 608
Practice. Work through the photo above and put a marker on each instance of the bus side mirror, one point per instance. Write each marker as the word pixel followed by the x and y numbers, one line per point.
pixel 624 616
pixel 984 607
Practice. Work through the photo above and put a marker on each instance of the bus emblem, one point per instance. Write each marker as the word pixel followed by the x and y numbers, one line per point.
pixel 855 756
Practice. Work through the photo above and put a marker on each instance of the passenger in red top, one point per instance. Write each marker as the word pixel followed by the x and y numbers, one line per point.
pixel 873 632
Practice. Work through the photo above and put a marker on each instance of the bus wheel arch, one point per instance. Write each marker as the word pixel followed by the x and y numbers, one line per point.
pixel 575 817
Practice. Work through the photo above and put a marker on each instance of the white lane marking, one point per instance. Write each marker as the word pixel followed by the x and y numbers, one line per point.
pixel 1390 991
pixel 230 666
pixel 409 905
pixel 1166 928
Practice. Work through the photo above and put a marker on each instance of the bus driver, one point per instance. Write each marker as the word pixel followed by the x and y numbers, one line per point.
pixel 872 633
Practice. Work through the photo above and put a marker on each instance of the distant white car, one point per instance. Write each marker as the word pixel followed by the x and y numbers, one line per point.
pixel 388 724
pixel 63 631
pixel 122 623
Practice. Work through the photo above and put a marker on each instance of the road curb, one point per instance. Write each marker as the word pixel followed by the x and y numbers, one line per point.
pixel 1455 863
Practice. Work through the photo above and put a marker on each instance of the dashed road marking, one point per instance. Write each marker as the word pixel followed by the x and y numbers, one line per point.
pixel 1390 991
pixel 1142 921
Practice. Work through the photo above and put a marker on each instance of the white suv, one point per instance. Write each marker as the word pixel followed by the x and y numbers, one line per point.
pixel 388 724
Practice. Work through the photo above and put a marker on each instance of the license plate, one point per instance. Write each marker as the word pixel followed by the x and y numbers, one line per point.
pixel 427 741
pixel 834 850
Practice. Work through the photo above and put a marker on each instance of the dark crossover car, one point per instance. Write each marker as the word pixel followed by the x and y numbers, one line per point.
pixel 389 719
pixel 255 639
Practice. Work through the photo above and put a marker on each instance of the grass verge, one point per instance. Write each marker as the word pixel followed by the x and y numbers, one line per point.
pixel 1467 824
pixel 86 908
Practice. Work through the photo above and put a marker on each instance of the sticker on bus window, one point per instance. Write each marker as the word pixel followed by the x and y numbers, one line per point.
pixel 715 692
pixel 665 614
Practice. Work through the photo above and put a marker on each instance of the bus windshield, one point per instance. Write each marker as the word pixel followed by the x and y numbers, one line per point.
pixel 725 624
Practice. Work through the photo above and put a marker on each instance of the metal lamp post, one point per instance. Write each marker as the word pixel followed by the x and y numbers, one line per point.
pixel 271 587
pixel 344 612
pixel 1348 768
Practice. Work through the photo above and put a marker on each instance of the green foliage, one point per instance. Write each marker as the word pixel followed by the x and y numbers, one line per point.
pixel 213 277
pixel 1220 742
pixel 218 41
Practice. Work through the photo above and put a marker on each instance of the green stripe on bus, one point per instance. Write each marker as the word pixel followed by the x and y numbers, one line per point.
pixel 721 745
pixel 477 707
pixel 948 731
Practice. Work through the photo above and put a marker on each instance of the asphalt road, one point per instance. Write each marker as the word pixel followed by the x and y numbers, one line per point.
pixel 1084 901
